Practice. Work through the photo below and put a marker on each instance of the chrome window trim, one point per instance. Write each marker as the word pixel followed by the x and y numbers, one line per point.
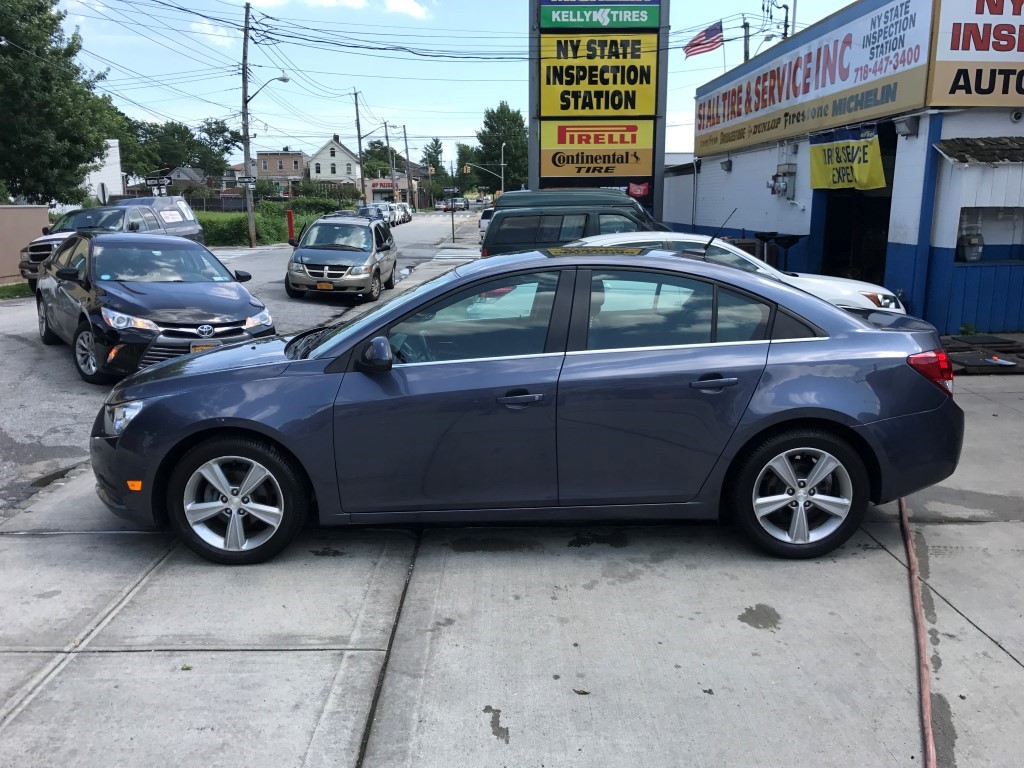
pixel 808 338
pixel 479 359
pixel 713 344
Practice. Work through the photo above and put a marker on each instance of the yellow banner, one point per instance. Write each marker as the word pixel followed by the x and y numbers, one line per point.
pixel 598 75
pixel 601 148
pixel 848 158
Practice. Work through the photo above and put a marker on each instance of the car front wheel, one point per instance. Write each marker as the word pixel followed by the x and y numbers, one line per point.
pixel 236 501
pixel 293 293
pixel 375 288
pixel 87 362
pixel 800 494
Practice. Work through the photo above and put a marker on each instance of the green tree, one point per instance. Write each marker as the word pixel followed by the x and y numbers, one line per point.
pixel 432 154
pixel 53 125
pixel 265 188
pixel 214 142
pixel 464 155
pixel 376 163
pixel 505 125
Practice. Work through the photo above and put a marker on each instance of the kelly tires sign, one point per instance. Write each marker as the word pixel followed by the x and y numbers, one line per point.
pixel 593 14
pixel 606 148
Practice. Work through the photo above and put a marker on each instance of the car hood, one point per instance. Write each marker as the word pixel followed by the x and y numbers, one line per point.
pixel 335 258
pixel 53 238
pixel 182 303
pixel 837 290
pixel 257 359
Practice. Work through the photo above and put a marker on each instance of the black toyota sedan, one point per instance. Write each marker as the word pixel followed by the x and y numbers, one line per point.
pixel 126 301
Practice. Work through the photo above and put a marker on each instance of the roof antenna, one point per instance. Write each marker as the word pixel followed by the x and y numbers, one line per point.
pixel 720 228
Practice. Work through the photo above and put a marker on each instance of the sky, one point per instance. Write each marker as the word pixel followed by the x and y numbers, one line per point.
pixel 431 67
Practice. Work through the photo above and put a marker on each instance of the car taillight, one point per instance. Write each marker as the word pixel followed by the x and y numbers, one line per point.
pixel 483 253
pixel 934 366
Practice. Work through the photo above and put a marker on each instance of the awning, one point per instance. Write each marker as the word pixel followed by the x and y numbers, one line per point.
pixel 993 150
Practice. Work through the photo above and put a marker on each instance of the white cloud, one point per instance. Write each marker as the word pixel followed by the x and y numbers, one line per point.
pixel 221 36
pixel 408 7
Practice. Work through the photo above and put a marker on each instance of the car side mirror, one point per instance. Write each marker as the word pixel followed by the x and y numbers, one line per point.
pixel 376 357
pixel 68 273
pixel 384 247
pixel 133 226
pixel 293 242
pixel 242 277
pixel 46 230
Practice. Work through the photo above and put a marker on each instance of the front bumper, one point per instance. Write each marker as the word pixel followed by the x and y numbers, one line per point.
pixel 344 284
pixel 124 352
pixel 29 269
pixel 113 469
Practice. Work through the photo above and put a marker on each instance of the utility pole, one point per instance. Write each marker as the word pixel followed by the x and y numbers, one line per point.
pixel 245 129
pixel 391 160
pixel 359 142
pixel 746 39
pixel 408 168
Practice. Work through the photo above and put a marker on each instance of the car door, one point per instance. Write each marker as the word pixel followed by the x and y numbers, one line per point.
pixel 49 286
pixel 654 384
pixel 151 219
pixel 385 248
pixel 69 295
pixel 465 419
pixel 134 221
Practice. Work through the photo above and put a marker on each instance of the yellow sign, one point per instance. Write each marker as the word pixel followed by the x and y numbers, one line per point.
pixel 601 148
pixel 977 59
pixel 609 75
pixel 847 158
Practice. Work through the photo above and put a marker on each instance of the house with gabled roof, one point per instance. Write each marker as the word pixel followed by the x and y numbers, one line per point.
pixel 334 162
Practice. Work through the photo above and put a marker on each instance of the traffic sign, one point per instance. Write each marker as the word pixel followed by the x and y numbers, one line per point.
pixel 159 181
pixel 249 185
pixel 451 190
pixel 247 179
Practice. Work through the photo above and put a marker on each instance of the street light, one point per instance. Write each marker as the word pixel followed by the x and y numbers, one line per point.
pixel 246 98
pixel 765 40
pixel 503 167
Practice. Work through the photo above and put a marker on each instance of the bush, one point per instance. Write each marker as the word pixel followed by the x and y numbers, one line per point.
pixel 270 208
pixel 319 205
pixel 224 228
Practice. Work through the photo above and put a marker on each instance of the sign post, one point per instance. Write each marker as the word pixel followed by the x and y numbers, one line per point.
pixel 451 205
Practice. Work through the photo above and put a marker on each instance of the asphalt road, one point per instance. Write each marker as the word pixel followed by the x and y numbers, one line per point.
pixel 48 410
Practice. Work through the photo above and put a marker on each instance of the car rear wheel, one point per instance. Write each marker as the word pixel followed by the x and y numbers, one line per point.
pixel 47 335
pixel 390 282
pixel 294 293
pixel 375 288
pixel 800 494
pixel 236 501
pixel 87 362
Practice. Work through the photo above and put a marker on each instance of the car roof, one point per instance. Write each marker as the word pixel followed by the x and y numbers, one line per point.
pixel 139 238
pixel 550 210
pixel 582 196
pixel 331 218
pixel 152 202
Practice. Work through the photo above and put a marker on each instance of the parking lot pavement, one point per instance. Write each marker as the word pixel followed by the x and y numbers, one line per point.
pixel 521 646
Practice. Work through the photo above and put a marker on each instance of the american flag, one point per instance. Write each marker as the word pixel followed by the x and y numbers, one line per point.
pixel 707 40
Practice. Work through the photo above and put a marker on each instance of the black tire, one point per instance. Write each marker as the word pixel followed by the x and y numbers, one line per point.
pixel 375 288
pixel 32 283
pixel 83 353
pixel 238 535
pixel 390 282
pixel 45 333
pixel 294 293
pixel 845 485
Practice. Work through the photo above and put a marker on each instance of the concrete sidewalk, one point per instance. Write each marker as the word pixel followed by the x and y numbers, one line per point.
pixel 669 646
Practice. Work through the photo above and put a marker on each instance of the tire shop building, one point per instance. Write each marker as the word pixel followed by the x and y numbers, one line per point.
pixel 888 141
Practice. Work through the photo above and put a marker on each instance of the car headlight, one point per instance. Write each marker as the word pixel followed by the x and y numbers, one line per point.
pixel 119 416
pixel 881 300
pixel 261 318
pixel 360 269
pixel 294 266
pixel 121 321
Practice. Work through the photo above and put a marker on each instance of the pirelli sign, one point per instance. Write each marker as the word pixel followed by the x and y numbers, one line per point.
pixel 606 148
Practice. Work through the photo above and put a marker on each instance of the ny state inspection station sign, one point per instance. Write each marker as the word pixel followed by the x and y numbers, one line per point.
pixel 600 14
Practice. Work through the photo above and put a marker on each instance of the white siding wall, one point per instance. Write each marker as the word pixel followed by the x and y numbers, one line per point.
pixel 341 160
pixel 978 123
pixel 746 189
pixel 908 179
pixel 678 208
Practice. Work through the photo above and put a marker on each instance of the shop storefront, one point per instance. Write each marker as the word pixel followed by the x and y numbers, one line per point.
pixel 888 140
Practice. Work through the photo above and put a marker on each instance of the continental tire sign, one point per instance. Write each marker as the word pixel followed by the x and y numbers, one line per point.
pixel 606 149
pixel 610 75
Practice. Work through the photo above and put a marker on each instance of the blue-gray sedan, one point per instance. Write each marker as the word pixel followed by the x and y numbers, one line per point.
pixel 598 384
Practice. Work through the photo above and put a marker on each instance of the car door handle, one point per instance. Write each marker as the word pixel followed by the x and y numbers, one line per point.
pixel 717 383
pixel 520 399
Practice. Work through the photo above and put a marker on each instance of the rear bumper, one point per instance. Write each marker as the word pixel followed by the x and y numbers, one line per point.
pixel 916 451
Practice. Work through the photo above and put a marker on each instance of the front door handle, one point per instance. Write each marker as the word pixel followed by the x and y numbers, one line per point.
pixel 714 383
pixel 520 398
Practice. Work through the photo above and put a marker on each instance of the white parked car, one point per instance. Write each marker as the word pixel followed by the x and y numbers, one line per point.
pixel 837 290
pixel 485 219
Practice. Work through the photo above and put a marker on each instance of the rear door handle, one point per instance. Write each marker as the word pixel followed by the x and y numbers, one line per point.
pixel 523 399
pixel 714 383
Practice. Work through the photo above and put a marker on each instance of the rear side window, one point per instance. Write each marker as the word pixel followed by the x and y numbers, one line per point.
pixel 517 229
pixel 561 228
pixel 614 222
pixel 740 317
pixel 186 211
pixel 788 327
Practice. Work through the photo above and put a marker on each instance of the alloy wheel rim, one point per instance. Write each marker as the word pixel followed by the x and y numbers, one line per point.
pixel 375 286
pixel 234 504
pixel 802 496
pixel 85 353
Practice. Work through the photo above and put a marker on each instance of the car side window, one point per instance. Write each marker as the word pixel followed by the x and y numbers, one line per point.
pixel 561 228
pixel 63 253
pixel 79 258
pixel 630 310
pixel 380 237
pixel 610 223
pixel 507 317
pixel 741 317
pixel 150 218
pixel 135 221
pixel 517 229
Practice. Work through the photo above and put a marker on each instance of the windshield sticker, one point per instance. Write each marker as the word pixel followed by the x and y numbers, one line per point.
pixel 171 217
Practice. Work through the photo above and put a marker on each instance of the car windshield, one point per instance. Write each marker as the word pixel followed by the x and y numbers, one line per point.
pixel 164 263
pixel 338 235
pixel 89 219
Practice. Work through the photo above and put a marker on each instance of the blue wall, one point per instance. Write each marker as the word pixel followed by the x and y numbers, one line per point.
pixel 988 296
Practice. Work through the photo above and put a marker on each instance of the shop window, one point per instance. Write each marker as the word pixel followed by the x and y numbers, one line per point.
pixel 990 234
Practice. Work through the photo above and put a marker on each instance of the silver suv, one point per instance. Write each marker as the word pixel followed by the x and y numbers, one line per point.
pixel 342 254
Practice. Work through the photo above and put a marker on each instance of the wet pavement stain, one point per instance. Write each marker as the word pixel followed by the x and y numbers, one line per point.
pixel 48 594
pixel 326 552
pixel 616 539
pixel 943 731
pixel 580 692
pixel 493 545
pixel 499 733
pixel 761 616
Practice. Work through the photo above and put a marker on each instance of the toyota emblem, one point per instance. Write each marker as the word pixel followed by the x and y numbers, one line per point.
pixel 206 331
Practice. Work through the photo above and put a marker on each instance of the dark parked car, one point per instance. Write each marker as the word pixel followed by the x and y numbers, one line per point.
pixel 127 301
pixel 340 254
pixel 577 383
